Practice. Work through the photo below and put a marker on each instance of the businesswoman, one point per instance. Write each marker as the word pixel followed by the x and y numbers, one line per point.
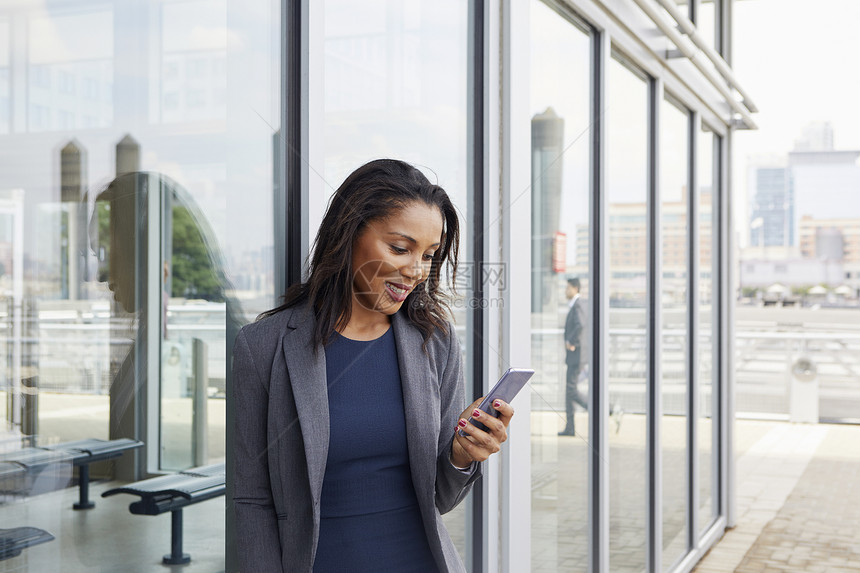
pixel 348 396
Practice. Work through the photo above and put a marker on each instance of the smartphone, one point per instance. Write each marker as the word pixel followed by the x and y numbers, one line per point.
pixel 508 386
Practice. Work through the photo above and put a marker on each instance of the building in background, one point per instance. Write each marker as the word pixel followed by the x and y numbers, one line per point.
pixel 772 209
pixel 802 232
pixel 257 112
pixel 813 180
pixel 833 240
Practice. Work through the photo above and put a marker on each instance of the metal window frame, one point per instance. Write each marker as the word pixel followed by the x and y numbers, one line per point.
pixel 496 31
pixel 297 89
pixel 476 249
pixel 302 116
pixel 652 451
pixel 608 36
pixel 618 18
pixel 726 80
pixel 726 353
pixel 718 391
pixel 654 381
pixel 509 545
pixel 698 541
pixel 598 396
pixel 693 326
pixel 691 305
pixel 723 488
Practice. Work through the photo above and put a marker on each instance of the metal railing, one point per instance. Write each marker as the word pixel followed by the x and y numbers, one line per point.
pixel 763 371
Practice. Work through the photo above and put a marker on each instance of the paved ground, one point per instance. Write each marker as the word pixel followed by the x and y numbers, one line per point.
pixel 798 499
pixel 110 539
pixel 798 504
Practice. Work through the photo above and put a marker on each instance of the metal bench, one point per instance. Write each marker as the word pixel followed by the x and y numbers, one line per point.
pixel 13 541
pixel 81 453
pixel 171 493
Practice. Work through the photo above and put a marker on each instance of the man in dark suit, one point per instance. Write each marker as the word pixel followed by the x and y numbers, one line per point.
pixel 574 338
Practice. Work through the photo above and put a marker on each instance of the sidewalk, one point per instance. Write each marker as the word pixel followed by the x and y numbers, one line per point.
pixel 798 502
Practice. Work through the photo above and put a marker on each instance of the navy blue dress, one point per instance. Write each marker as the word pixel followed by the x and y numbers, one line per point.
pixel 370 519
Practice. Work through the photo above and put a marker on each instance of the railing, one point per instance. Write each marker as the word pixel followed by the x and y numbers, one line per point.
pixel 763 371
pixel 78 355
pixel 78 352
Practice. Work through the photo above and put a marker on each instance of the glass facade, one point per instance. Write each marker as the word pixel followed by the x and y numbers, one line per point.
pixel 559 107
pixel 675 299
pixel 137 199
pixel 396 86
pixel 627 200
pixel 149 207
pixel 708 180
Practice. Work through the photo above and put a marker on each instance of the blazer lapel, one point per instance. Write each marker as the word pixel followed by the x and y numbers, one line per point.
pixel 308 382
pixel 421 404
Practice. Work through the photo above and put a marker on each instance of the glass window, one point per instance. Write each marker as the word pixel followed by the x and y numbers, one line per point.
pixel 627 195
pixel 560 119
pixel 192 61
pixel 65 48
pixel 708 176
pixel 121 280
pixel 674 355
pixel 396 86
pixel 5 44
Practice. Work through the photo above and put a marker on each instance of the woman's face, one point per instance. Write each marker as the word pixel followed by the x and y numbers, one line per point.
pixel 391 256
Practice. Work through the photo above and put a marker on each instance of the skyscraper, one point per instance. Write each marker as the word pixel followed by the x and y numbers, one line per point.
pixel 772 209
pixel 813 181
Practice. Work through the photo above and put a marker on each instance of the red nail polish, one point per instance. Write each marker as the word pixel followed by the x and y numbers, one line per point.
pixel 462 423
pixel 497 404
pixel 476 414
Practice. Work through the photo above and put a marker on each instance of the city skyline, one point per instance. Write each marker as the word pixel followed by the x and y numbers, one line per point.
pixel 793 82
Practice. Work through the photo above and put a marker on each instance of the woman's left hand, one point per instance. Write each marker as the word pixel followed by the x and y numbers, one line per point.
pixel 479 444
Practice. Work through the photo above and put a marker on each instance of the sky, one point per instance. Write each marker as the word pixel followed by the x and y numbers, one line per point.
pixel 798 60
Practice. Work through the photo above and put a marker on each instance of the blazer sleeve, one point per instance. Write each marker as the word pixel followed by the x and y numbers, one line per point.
pixel 452 484
pixel 257 537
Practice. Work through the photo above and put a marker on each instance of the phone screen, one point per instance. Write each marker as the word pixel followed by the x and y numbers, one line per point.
pixel 506 389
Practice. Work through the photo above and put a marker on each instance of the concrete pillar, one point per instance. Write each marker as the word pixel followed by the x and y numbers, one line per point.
pixel 73 182
pixel 547 149
pixel 127 155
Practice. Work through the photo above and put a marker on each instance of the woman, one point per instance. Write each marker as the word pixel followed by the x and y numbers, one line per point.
pixel 348 396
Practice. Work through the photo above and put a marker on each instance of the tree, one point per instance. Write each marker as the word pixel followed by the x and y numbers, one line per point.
pixel 193 273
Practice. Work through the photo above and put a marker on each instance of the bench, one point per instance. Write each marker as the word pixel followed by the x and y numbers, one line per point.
pixel 13 541
pixel 10 473
pixel 81 453
pixel 11 479
pixel 171 493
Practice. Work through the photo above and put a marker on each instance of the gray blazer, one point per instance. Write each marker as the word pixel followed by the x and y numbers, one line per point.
pixel 282 434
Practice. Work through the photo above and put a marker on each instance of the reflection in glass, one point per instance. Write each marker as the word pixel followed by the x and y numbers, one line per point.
pixel 192 320
pixel 707 177
pixel 5 100
pixel 105 303
pixel 675 236
pixel 193 73
pixel 70 70
pixel 627 194
pixel 396 86
pixel 560 87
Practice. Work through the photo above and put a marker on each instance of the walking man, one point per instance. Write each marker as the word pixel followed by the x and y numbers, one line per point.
pixel 574 337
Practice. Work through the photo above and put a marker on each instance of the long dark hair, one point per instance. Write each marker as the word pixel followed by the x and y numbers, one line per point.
pixel 374 191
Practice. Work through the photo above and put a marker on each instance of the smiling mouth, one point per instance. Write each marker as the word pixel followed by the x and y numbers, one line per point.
pixel 397 291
